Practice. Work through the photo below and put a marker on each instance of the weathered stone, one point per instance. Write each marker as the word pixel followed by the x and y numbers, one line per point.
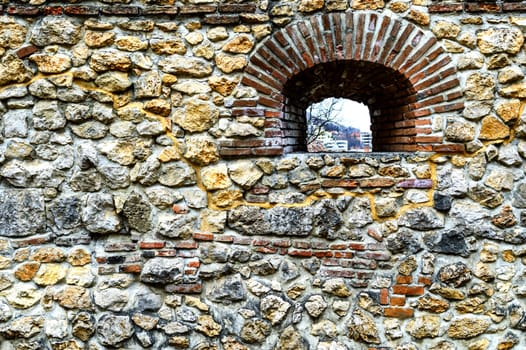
pixel 460 131
pixel 102 61
pixel 255 331
pixel 315 305
pixel 55 30
pixel 50 274
pixel 363 328
pixel 112 329
pixel 245 173
pixel 448 242
pixel 470 60
pixel 97 39
pixel 479 86
pixel 222 84
pixel 113 81
pixel 239 44
pixel 21 212
pixel 74 297
pixel 208 326
pixel 177 174
pixel 215 177
pixel 493 128
pixel 485 195
pixel 99 214
pixel 228 290
pixel 197 116
pixel 467 327
pixel 201 151
pixel 495 40
pixel 456 274
pixel 23 327
pixel 228 64
pixel 424 219
pixel 430 304
pixel 12 34
pixel 162 270
pixel 112 299
pixel 424 327
pixel 80 276
pixel 510 75
pixel 274 308
pixel 290 339
pixel 148 84
pixel 193 67
pixel 23 296
pixel 137 211
pixel 445 29
pixel 47 116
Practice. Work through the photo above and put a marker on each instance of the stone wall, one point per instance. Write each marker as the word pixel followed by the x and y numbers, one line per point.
pixel 152 195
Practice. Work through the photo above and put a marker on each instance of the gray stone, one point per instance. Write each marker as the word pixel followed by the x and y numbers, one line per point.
pixel 456 274
pixel 23 327
pixel 193 67
pixel 113 81
pixel 486 196
pixel 359 213
pixel 113 299
pixel 403 241
pixel 102 113
pixel 163 270
pixel 448 242
pixel 15 123
pixel 363 328
pixel 315 305
pixel 86 181
pixel 509 156
pixel 274 308
pixel 301 175
pixel 99 214
pixel 5 311
pixel 245 173
pixel 146 173
pixel 177 174
pixel 90 130
pixel 47 116
pixel 228 290
pixel 137 211
pixel 176 225
pixel 21 212
pixel 36 173
pixel 112 329
pixel 65 212
pixel 116 176
pixel 55 30
pixel 423 219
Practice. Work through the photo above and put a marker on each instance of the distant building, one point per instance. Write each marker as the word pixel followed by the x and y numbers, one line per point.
pixel 366 138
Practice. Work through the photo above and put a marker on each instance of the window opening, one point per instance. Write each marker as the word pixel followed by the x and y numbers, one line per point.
pixel 338 125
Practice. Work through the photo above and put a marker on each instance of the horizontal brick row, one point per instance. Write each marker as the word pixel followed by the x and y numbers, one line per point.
pixel 477 7
pixel 135 11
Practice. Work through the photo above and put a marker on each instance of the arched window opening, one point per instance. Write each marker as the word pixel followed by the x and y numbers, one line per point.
pixel 338 125
pixel 388 94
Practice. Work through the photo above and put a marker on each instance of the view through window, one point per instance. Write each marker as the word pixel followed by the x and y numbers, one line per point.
pixel 338 125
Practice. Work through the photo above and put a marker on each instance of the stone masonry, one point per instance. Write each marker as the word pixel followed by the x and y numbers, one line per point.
pixel 155 192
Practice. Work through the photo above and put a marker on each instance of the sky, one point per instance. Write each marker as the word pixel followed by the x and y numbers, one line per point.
pixel 350 113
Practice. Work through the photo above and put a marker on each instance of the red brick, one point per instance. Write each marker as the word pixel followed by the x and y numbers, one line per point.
pixel 338 273
pixel 26 51
pixel 185 288
pixel 261 242
pixel 345 183
pixel 153 10
pixel 300 253
pixel 244 103
pixel 301 244
pixel 75 10
pixel 285 243
pixel 346 255
pixel 185 245
pixel 482 7
pixel 120 10
pixel 323 254
pixel 357 246
pixel 384 296
pixel 196 9
pixel 397 300
pixel 134 268
pixel 247 8
pixel 23 11
pixel 338 246
pixel 235 152
pixel 179 209
pixel 398 312
pixel 198 236
pixel 151 245
pixel 166 252
pixel 449 148
pixel 52 10
pixel 514 6
pixel 415 183
pixel 193 263
pixel 242 240
pixel 408 290
pixel 268 151
pixel 266 250
pixel 444 8
pixel 330 262
pixel 190 272
pixel 404 279
pixel 377 182
pixel 425 280
pixel 224 238
pixel 221 19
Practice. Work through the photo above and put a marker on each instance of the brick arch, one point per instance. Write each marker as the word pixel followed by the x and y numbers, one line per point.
pixel 414 76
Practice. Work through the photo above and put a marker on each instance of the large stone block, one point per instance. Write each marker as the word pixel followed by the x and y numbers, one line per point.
pixel 21 212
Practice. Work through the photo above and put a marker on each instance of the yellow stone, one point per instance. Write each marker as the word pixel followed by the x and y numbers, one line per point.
pixel 194 38
pixel 419 17
pixel 4 262
pixel 46 255
pixel 226 198
pixel 445 29
pixel 131 43
pixel 229 64
pixel 508 256
pixel 158 106
pixel 197 116
pixel 51 64
pixel 493 129
pixel 223 85
pixel 215 177
pixel 367 4
pixel 27 271
pixel 195 302
pixel 509 110
pixel 481 344
pixel 168 47
pixel 79 257
pixel 99 39
pixel 398 6
pixel 168 154
pixel 50 274
pixel 310 5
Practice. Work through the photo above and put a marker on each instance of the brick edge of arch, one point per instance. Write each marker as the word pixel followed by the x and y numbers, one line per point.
pixel 351 36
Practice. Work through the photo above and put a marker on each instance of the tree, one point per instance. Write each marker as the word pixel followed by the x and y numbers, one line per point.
pixel 320 115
